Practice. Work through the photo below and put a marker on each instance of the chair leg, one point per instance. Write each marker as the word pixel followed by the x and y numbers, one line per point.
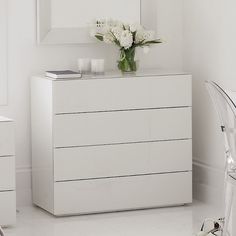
pixel 229 192
pixel 1 232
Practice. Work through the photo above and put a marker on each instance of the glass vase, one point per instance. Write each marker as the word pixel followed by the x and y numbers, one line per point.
pixel 127 61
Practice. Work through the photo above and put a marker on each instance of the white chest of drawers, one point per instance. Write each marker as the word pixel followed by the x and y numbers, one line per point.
pixel 7 173
pixel 111 143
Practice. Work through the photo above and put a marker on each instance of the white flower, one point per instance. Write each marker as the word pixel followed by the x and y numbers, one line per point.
pixel 126 39
pixel 126 26
pixel 135 27
pixel 117 32
pixel 108 38
pixel 103 29
pixel 122 34
pixel 144 35
pixel 139 37
pixel 148 35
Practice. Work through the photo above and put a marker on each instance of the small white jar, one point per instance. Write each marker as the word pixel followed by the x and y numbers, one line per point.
pixel 84 65
pixel 97 66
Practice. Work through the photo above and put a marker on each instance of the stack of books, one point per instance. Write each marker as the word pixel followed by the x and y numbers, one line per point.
pixel 63 74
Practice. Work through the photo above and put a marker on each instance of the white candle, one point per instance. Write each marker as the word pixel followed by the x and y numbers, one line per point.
pixel 97 66
pixel 84 65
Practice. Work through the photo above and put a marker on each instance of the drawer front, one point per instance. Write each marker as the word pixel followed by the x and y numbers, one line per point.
pixel 122 160
pixel 121 94
pixel 7 208
pixel 114 194
pixel 7 173
pixel 122 127
pixel 6 138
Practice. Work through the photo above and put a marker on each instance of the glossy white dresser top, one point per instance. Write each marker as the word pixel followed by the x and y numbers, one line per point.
pixel 119 75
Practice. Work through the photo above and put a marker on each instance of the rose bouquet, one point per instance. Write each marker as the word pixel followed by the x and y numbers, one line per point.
pixel 127 37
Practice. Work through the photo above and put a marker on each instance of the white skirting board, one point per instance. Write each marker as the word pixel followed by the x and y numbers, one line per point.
pixel 208 184
pixel 23 186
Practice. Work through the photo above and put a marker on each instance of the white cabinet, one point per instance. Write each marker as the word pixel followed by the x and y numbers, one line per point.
pixel 111 143
pixel 7 173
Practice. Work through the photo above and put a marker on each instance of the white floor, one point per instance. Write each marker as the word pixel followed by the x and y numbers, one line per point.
pixel 176 221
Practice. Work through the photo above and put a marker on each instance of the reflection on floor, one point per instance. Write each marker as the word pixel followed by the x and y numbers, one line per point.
pixel 176 221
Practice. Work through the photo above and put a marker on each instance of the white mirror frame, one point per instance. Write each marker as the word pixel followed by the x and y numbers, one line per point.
pixel 47 35
pixel 3 52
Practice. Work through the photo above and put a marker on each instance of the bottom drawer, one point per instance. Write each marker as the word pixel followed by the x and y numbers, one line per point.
pixel 125 193
pixel 7 208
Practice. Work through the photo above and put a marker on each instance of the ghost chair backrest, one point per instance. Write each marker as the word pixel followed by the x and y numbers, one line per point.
pixel 226 110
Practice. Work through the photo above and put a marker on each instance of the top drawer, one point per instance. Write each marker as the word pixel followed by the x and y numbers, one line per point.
pixel 6 138
pixel 90 95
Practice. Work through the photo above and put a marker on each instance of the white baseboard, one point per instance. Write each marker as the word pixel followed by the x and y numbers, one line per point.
pixel 23 186
pixel 208 184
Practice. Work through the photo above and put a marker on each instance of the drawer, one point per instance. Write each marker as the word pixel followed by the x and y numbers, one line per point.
pixel 121 93
pixel 122 127
pixel 6 138
pixel 122 160
pixel 7 173
pixel 125 193
pixel 7 208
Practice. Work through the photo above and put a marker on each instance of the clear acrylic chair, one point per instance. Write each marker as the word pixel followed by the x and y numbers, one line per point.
pixel 1 232
pixel 226 109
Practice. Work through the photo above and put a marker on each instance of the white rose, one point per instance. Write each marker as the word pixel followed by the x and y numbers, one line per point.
pixel 105 29
pixel 108 38
pixel 126 39
pixel 126 26
pixel 139 37
pixel 135 27
pixel 117 32
pixel 148 35
pixel 144 35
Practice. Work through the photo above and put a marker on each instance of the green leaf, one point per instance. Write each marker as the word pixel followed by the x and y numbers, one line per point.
pixel 153 42
pixel 99 37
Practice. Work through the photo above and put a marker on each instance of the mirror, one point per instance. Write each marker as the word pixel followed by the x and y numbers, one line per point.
pixel 3 52
pixel 67 21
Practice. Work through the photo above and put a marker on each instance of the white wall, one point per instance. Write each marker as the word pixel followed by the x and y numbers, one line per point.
pixel 3 52
pixel 209 54
pixel 26 59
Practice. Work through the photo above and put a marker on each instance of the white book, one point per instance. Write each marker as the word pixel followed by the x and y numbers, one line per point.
pixel 63 74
